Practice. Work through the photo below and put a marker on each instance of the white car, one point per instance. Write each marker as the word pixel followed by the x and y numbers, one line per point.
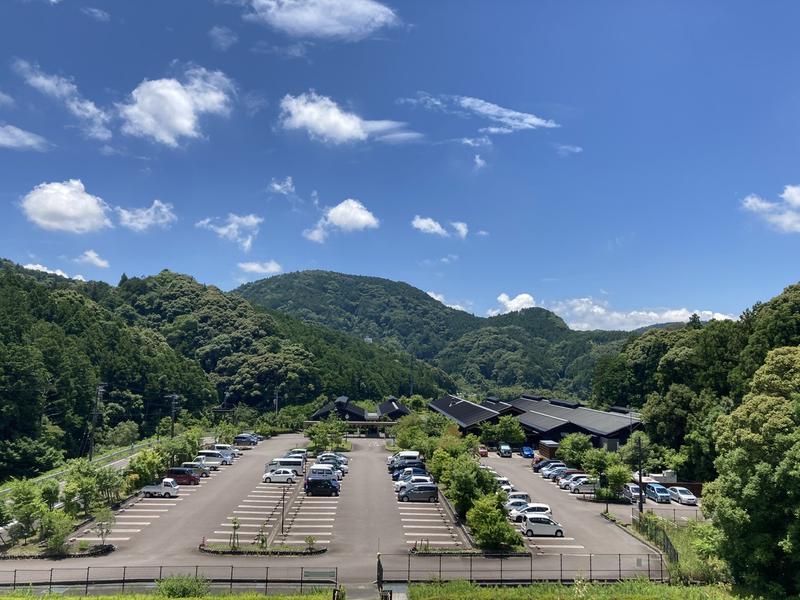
pixel 519 496
pixel 541 525
pixel 518 514
pixel 682 496
pixel 545 473
pixel 402 484
pixel 564 482
pixel 582 486
pixel 279 476
pixel 515 504
pixel 502 480
pixel 507 488
pixel 343 459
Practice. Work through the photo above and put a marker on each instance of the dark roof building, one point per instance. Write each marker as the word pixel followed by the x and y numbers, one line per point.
pixel 392 409
pixel 342 408
pixel 467 415
pixel 502 408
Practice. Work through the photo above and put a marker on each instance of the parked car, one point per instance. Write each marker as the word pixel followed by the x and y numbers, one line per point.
pixel 208 461
pixel 183 476
pixel 245 439
pixel 338 457
pixel 550 468
pixel 526 452
pixel 402 455
pixel 324 472
pixel 570 479
pixel 501 480
pixel 224 459
pixel 515 504
pixel 228 448
pixel 423 492
pixel 507 488
pixel 516 495
pixel 321 487
pixel 537 466
pixel 682 496
pixel 657 493
pixel 583 486
pixel 414 480
pixel 554 474
pixel 541 525
pixel 419 466
pixel 332 460
pixel 198 469
pixel 483 451
pixel 566 473
pixel 168 488
pixel 504 450
pixel 630 491
pixel 280 476
pixel 532 507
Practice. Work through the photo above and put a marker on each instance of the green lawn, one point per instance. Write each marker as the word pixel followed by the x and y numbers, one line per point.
pixel 314 595
pixel 618 591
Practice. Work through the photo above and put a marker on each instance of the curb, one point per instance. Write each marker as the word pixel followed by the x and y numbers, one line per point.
pixel 276 552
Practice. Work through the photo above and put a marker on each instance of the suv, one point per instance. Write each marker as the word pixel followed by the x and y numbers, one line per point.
pixel 421 492
pixel 321 487
pixel 504 450
pixel 183 476
pixel 630 491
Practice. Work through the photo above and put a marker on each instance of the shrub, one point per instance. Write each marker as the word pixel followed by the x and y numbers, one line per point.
pixel 50 490
pixel 489 525
pixel 182 586
pixel 573 447
pixel 55 528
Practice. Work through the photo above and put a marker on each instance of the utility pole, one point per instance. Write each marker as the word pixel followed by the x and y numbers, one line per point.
pixel 101 387
pixel 173 398
pixel 641 484
pixel 275 401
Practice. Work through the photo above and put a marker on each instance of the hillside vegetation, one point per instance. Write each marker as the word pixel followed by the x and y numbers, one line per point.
pixel 529 349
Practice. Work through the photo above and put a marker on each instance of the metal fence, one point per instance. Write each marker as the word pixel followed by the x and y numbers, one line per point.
pixel 518 569
pixel 656 533
pixel 131 579
pixel 679 516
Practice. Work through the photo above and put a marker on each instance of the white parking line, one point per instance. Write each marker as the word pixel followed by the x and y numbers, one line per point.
pixel 574 547
pixel 146 510
pixel 314 519
pixel 108 539
pixel 133 523
pixel 422 520
pixel 160 503
pixel 425 526
pixel 436 542
pixel 294 527
pixel 125 530
pixel 252 506
pixel 258 501
pixel 252 525
pixel 252 512
pixel 425 533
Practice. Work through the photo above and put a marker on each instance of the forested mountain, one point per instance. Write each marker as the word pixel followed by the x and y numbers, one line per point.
pixel 529 349
pixel 154 336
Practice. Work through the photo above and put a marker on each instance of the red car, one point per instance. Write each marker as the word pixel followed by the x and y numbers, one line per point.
pixel 183 476
pixel 482 451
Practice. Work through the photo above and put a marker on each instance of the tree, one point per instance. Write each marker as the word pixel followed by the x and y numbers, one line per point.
pixel 439 465
pixel 754 500
pixel 146 467
pixel 26 505
pixel 573 447
pixel 109 484
pixel 55 528
pixel 651 454
pixel 123 434
pixel 50 491
pixel 489 525
pixel 467 482
pixel 104 521
pixel 80 487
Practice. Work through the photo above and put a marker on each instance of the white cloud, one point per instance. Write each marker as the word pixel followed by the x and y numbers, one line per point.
pixel 269 267
pixel 476 142
pixel 783 215
pixel 440 298
pixel 589 313
pixel 96 14
pixel 159 214
pixel 479 162
pixel 461 229
pixel 331 19
pixel 294 50
pixel 565 150
pixel 5 100
pixel 482 233
pixel 79 277
pixel 43 269
pixel 509 304
pixel 241 229
pixel 90 257
pixel 95 119
pixel 19 139
pixel 166 110
pixel 65 206
pixel 324 120
pixel 222 38
pixel 254 103
pixel 349 215
pixel 284 188
pixel 428 225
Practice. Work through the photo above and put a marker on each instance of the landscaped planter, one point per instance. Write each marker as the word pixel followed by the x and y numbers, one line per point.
pixel 265 552
pixel 99 550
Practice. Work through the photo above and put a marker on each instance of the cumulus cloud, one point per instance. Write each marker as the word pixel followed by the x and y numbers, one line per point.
pixel 283 188
pixel 222 38
pixel 461 229
pixel 159 214
pixel 65 206
pixel 326 19
pixel 500 120
pixel 324 120
pixel 96 13
pixel 783 215
pixel 349 215
pixel 440 298
pixel 589 313
pixel 90 257
pixel 509 304
pixel 43 269
pixel 241 229
pixel 478 162
pixel 565 150
pixel 165 110
pixel 428 225
pixel 269 267
pixel 476 142
pixel 95 120
pixel 19 139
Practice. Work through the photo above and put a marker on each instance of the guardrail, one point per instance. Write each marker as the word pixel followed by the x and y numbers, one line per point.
pixel 263 579
pixel 504 569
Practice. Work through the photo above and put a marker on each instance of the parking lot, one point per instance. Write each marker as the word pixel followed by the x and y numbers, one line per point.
pixel 585 530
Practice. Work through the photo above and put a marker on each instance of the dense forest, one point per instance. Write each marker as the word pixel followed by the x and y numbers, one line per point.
pixel 151 337
pixel 502 355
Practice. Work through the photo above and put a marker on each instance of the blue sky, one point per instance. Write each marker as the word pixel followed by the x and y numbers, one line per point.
pixel 621 163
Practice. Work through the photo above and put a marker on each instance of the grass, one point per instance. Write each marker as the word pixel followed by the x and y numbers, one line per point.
pixel 633 590
pixel 313 595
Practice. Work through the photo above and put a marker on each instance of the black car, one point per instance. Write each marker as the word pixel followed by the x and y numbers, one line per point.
pixel 405 464
pixel 322 487
pixel 416 471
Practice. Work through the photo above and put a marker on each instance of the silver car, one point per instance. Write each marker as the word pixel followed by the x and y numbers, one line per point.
pixel 682 496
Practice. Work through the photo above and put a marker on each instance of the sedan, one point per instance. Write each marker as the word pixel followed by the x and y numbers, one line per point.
pixel 550 468
pixel 564 481
pixel 279 476
pixel 682 496
pixel 556 473
pixel 531 508
pixel 515 504
pixel 403 482
pixel 526 452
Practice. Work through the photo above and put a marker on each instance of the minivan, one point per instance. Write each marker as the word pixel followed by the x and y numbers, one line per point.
pixel 199 469
pixel 541 525
pixel 183 476
pixel 630 491
pixel 414 454
pixel 225 459
pixel 323 472
pixel 421 492
pixel 657 492
pixel 228 448
pixel 321 487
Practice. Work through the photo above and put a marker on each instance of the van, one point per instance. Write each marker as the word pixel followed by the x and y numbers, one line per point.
pixel 541 525
pixel 420 492
pixel 197 468
pixel 183 476
pixel 322 472
pixel 295 464
pixel 225 459
pixel 228 448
